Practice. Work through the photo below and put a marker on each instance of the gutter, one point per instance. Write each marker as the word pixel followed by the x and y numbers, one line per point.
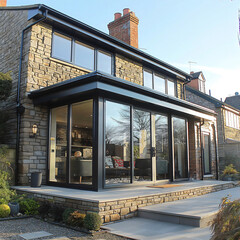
pixel 20 108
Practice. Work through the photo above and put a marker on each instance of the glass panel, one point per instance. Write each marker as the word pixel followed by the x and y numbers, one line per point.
pixel 159 84
pixel 58 145
pixel 180 148
pixel 207 167
pixel 147 79
pixel 104 62
pixel 141 146
pixel 161 136
pixel 84 56
pixel 81 149
pixel 61 47
pixel 171 88
pixel 117 140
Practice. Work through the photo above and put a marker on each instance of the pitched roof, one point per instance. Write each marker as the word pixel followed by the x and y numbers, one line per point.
pixel 209 98
pixel 196 74
pixel 54 15
pixel 233 101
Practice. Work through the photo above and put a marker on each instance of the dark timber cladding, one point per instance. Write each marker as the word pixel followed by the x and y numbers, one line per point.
pixel 104 83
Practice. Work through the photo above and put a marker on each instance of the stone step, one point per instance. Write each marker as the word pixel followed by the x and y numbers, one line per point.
pixel 197 211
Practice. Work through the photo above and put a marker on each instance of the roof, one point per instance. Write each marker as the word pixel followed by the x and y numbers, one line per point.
pixel 209 98
pixel 54 15
pixel 196 75
pixel 119 88
pixel 233 101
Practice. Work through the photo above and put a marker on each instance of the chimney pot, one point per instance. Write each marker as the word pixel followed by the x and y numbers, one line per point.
pixel 126 11
pixel 117 15
pixel 191 72
pixel 3 3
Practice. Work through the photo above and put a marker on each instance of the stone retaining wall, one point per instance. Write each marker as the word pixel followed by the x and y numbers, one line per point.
pixel 114 210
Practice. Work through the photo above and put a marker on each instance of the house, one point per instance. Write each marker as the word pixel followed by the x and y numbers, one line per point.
pixel 233 100
pixel 92 111
pixel 228 125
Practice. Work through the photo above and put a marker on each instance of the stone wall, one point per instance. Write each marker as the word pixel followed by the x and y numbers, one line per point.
pixel 114 210
pixel 11 25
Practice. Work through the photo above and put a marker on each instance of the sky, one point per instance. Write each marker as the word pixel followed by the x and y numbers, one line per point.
pixel 204 32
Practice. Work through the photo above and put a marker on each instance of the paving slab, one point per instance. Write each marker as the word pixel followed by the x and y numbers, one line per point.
pixel 34 235
pixel 116 193
pixel 198 211
pixel 147 229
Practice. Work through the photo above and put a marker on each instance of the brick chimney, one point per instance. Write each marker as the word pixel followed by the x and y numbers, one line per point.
pixel 125 28
pixel 3 3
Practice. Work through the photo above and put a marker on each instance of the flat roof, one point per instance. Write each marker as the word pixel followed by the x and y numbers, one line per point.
pixel 105 83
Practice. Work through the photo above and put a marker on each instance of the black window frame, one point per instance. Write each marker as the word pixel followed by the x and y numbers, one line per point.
pixel 163 77
pixel 72 60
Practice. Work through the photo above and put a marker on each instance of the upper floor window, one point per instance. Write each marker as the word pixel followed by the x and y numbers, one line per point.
pixel 70 50
pixel 158 83
pixel 104 62
pixel 232 119
pixel 61 47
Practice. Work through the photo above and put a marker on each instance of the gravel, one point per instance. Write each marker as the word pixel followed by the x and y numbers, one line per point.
pixel 10 229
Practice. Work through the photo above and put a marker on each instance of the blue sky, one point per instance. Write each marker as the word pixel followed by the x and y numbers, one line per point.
pixel 205 32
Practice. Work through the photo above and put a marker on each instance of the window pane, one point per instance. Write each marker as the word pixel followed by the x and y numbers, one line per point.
pixel 161 136
pixel 180 148
pixel 58 145
pixel 104 62
pixel 141 146
pixel 206 155
pixel 171 89
pixel 117 140
pixel 84 56
pixel 81 149
pixel 159 84
pixel 61 47
pixel 147 79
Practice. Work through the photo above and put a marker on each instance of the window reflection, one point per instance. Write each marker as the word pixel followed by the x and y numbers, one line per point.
pixel 180 148
pixel 81 148
pixel 104 62
pixel 161 136
pixel 84 56
pixel 159 84
pixel 117 140
pixel 141 146
pixel 171 88
pixel 61 47
pixel 58 145
pixel 147 79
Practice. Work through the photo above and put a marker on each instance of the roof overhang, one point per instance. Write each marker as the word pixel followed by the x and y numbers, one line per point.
pixel 107 84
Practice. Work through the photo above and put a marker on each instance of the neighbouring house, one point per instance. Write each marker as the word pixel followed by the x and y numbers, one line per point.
pixel 233 100
pixel 93 111
pixel 228 125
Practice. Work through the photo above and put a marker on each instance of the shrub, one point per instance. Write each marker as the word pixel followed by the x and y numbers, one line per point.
pixel 57 213
pixel 229 170
pixel 76 219
pixel 5 85
pixel 29 206
pixel 66 214
pixel 226 224
pixel 44 209
pixel 4 210
pixel 92 221
pixel 5 193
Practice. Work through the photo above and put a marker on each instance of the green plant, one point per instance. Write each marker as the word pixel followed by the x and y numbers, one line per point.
pixel 92 221
pixel 29 206
pixel 44 209
pixel 229 170
pixel 4 210
pixel 66 214
pixel 226 224
pixel 76 219
pixel 6 194
pixel 5 85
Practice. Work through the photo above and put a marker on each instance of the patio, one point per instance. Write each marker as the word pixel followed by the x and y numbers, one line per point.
pixel 120 203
